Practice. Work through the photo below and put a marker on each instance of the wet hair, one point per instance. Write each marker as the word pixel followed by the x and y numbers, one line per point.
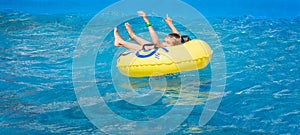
pixel 176 37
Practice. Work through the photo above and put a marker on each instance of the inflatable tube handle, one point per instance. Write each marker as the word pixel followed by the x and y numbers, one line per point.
pixel 185 38
pixel 147 45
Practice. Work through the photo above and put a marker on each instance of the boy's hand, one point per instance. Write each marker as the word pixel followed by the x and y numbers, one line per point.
pixel 168 20
pixel 141 13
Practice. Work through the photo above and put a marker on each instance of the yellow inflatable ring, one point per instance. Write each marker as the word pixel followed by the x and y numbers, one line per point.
pixel 192 55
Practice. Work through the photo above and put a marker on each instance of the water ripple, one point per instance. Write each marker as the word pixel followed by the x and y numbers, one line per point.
pixel 36 90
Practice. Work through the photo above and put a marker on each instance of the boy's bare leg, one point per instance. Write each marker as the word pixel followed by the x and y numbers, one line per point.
pixel 120 42
pixel 139 40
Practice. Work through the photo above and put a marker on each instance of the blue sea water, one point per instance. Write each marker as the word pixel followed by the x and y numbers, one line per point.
pixel 261 44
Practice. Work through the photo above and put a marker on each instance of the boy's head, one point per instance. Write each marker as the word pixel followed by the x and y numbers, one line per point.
pixel 172 39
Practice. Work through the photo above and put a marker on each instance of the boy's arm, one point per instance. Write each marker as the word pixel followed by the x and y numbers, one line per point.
pixel 152 32
pixel 169 22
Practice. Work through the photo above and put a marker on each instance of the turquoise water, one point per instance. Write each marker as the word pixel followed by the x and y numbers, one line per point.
pixel 262 80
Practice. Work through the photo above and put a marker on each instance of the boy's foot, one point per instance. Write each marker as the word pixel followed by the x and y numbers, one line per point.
pixel 118 38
